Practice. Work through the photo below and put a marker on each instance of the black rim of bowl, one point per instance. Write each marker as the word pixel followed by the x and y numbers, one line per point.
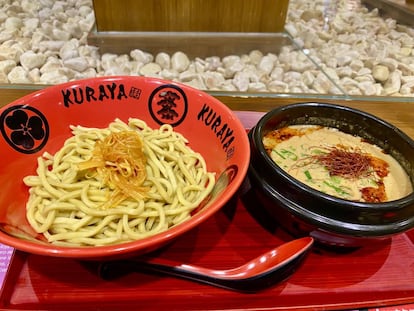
pixel 256 140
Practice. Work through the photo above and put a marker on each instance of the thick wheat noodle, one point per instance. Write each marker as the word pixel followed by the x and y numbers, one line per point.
pixel 66 206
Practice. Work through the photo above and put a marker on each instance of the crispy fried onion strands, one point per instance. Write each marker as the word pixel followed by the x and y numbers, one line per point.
pixel 119 161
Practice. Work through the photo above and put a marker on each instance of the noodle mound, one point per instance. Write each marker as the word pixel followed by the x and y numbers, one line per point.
pixel 117 184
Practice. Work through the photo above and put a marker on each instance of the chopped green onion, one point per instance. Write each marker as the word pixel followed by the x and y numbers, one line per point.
pixel 338 190
pixel 279 154
pixel 308 175
pixel 289 154
pixel 318 151
pixel 373 182
pixel 336 179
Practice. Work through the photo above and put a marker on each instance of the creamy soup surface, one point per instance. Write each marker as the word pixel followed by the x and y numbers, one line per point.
pixel 337 163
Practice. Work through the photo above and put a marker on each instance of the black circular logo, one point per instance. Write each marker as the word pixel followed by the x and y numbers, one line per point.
pixel 168 105
pixel 24 128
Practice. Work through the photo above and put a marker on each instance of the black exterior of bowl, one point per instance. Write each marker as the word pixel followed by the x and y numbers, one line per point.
pixel 323 211
pixel 298 221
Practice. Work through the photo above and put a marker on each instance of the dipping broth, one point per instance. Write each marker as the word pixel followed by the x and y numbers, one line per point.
pixel 337 163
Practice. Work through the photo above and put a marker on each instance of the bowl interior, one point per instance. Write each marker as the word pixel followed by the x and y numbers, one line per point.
pixel 209 126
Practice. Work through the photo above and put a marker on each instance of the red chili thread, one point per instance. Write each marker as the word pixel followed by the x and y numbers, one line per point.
pixel 345 163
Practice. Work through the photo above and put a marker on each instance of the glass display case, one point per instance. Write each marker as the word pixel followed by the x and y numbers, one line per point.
pixel 327 48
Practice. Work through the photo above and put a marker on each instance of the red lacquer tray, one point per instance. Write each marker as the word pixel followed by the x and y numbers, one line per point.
pixel 376 275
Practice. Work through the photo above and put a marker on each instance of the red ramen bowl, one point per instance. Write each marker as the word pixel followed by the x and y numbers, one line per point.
pixel 304 210
pixel 39 123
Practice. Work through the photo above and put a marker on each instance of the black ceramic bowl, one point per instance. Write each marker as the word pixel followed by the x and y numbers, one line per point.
pixel 303 210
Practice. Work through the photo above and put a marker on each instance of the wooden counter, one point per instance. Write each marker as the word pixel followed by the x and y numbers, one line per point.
pixel 398 113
